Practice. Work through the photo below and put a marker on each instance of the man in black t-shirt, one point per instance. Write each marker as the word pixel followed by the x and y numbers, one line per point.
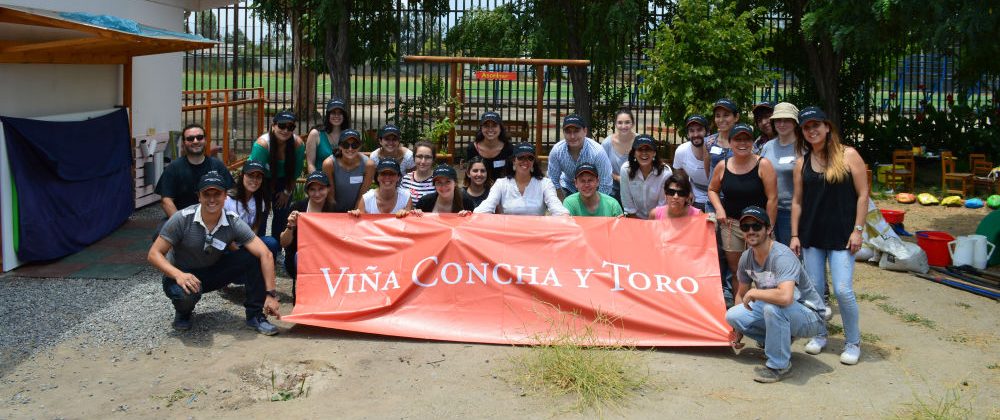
pixel 177 186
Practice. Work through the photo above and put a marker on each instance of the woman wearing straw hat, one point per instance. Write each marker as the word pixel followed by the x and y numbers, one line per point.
pixel 492 144
pixel 781 152
pixel 525 190
pixel 322 140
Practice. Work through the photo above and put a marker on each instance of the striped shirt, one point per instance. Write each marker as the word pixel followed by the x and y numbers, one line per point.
pixel 417 188
pixel 562 166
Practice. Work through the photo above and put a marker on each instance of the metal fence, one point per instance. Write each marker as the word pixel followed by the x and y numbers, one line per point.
pixel 256 54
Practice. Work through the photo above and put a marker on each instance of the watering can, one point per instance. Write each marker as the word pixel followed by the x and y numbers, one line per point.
pixel 962 250
pixel 982 249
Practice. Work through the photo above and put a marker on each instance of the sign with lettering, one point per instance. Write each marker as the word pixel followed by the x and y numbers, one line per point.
pixel 496 75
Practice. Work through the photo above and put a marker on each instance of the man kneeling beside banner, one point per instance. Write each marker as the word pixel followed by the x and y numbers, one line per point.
pixel 506 279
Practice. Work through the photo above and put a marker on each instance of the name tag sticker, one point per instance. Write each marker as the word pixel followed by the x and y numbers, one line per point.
pixel 499 163
pixel 786 160
pixel 217 244
pixel 716 150
pixel 357 179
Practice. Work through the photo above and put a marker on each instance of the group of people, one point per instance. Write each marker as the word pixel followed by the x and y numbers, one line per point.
pixel 803 190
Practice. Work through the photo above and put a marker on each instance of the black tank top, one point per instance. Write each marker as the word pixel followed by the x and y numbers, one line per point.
pixel 742 191
pixel 828 210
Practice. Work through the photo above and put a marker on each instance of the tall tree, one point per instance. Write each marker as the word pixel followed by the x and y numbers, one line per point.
pixel 297 14
pixel 206 24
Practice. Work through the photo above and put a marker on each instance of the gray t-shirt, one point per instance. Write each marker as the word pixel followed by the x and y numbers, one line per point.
pixel 192 247
pixel 616 160
pixel 347 185
pixel 783 160
pixel 781 266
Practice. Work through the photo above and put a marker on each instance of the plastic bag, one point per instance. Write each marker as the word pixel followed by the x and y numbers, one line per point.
pixel 926 199
pixel 903 256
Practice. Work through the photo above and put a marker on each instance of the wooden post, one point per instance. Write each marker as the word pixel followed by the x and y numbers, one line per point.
pixel 225 127
pixel 260 112
pixel 451 108
pixel 539 114
pixel 207 122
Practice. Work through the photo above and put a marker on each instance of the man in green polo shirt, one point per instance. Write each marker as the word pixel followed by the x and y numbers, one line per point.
pixel 588 201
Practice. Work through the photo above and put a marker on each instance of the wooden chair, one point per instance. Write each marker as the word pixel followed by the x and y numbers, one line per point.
pixel 901 176
pixel 951 179
pixel 973 157
pixel 981 174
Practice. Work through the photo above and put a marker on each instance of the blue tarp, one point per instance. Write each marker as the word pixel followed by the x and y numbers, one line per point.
pixel 74 181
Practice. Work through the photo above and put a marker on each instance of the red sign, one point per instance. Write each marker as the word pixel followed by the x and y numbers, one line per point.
pixel 505 279
pixel 496 75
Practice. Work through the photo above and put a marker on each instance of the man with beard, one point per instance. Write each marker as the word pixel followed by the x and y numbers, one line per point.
pixel 783 303
pixel 576 148
pixel 177 186
pixel 690 157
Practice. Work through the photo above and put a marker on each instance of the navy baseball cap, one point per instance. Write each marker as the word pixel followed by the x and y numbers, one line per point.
pixel 389 129
pixel 283 116
pixel 763 104
pixel 726 103
pixel 573 120
pixel 811 113
pixel 524 149
pixel 388 165
pixel 336 103
pixel 696 119
pixel 446 171
pixel 740 129
pixel 318 176
pixel 490 116
pixel 584 168
pixel 644 140
pixel 212 179
pixel 254 166
pixel 346 134
pixel 757 213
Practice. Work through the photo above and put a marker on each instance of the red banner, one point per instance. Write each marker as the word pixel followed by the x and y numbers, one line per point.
pixel 496 75
pixel 508 279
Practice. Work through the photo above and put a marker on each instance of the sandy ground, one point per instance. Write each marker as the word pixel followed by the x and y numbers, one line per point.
pixel 232 372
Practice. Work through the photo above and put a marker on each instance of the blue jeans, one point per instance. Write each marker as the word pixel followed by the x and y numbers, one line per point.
pixel 775 326
pixel 232 267
pixel 842 276
pixel 272 244
pixel 783 227
pixel 279 218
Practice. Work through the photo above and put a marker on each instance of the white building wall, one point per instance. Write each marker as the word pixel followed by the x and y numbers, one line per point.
pixel 46 89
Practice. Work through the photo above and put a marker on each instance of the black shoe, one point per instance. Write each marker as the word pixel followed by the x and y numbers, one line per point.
pixel 766 375
pixel 182 321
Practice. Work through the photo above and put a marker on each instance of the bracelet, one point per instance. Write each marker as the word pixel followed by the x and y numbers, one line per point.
pixel 795 236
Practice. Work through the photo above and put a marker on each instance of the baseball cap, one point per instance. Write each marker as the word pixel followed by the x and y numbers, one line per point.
pixel 318 176
pixel 811 113
pixel 389 129
pixel 336 103
pixel 696 119
pixel 573 119
pixel 585 167
pixel 726 103
pixel 446 171
pixel 740 129
pixel 757 213
pixel 524 149
pixel 212 179
pixel 490 116
pixel 283 116
pixel 785 110
pixel 254 166
pixel 387 165
pixel 346 134
pixel 643 140
pixel 762 104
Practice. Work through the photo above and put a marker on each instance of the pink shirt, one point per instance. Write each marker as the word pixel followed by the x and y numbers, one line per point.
pixel 660 212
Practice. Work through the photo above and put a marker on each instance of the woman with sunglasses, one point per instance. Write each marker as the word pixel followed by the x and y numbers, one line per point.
pixel 247 201
pixel 740 181
pixel 477 181
pixel 351 171
pixel 285 154
pixel 421 180
pixel 391 148
pixel 492 145
pixel 829 206
pixel 322 140
pixel 387 197
pixel 618 146
pixel 446 198
pixel 317 189
pixel 643 175
pixel 525 189
pixel 677 191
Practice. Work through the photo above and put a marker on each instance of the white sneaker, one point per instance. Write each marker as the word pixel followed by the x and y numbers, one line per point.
pixel 851 354
pixel 815 346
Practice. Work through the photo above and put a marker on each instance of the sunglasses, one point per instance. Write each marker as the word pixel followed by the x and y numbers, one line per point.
pixel 208 243
pixel 350 145
pixel 198 137
pixel 746 227
pixel 528 158
pixel 286 126
pixel 678 193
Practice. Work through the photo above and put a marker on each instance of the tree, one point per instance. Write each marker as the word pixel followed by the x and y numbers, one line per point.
pixel 238 38
pixel 206 24
pixel 708 52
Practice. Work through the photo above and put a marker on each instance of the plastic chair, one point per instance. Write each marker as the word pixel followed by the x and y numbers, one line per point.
pixel 951 179
pixel 901 176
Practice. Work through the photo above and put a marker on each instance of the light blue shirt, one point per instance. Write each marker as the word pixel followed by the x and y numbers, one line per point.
pixel 562 166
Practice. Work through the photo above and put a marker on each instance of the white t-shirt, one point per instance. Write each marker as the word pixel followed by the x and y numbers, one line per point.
pixel 539 196
pixel 640 195
pixel 371 206
pixel 685 159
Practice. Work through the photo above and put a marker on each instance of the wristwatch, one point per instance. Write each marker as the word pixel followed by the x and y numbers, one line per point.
pixel 859 228
pixel 272 293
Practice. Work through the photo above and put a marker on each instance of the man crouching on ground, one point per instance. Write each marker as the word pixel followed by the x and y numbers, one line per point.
pixel 191 252
pixel 783 303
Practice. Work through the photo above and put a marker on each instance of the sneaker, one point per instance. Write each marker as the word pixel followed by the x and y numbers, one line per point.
pixel 182 321
pixel 815 346
pixel 851 354
pixel 260 324
pixel 766 375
